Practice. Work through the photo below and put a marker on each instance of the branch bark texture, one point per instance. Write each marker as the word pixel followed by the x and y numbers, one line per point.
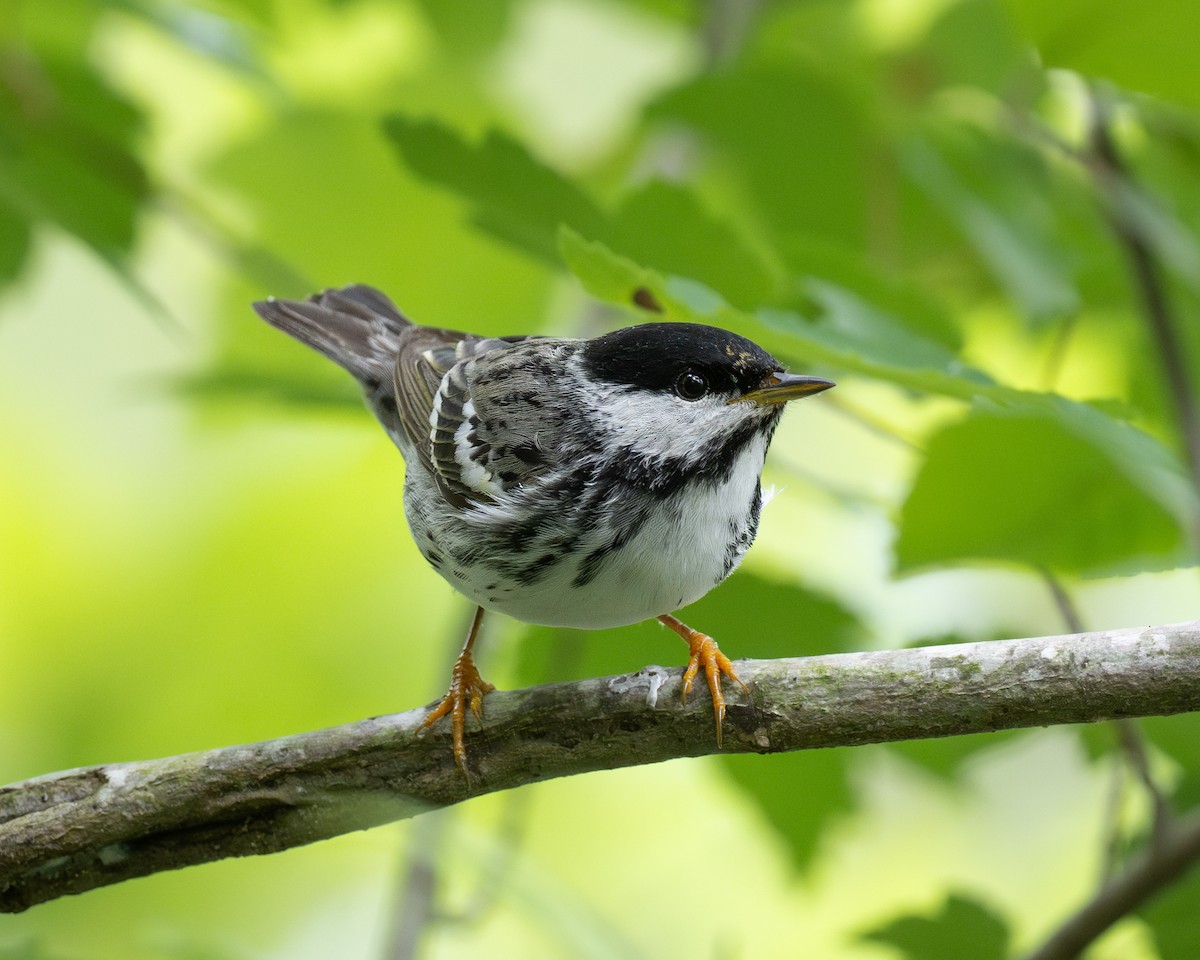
pixel 80 829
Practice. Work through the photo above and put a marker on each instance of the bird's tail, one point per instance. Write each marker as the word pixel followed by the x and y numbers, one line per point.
pixel 356 327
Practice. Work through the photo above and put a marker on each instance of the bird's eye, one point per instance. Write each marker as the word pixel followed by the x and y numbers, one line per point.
pixel 691 385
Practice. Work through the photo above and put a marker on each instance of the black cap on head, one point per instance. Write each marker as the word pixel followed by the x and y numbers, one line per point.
pixel 653 355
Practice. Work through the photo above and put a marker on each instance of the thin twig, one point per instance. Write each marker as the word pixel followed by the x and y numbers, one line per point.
pixel 1133 745
pixel 1114 181
pixel 1158 867
pixel 416 906
pixel 1062 600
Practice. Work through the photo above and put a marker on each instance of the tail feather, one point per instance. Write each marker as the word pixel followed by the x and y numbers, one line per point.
pixel 356 327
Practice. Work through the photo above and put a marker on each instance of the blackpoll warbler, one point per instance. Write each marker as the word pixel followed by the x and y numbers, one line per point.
pixel 575 483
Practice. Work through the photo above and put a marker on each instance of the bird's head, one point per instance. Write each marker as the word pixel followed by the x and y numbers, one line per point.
pixel 685 390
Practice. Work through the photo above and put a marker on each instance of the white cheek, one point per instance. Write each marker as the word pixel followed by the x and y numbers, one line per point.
pixel 660 425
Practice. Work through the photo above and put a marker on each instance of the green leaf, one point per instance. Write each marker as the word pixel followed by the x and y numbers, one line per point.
pixel 799 794
pixel 804 159
pixel 521 201
pixel 1149 47
pixel 14 242
pixel 467 29
pixel 1174 919
pixel 67 154
pixel 964 928
pixel 945 756
pixel 604 274
pixel 848 333
pixel 847 325
pixel 975 43
pixel 222 38
pixel 1018 484
pixel 358 212
pixel 845 332
pixel 513 196
pixel 663 224
pixel 1010 225
pixel 814 259
pixel 1177 736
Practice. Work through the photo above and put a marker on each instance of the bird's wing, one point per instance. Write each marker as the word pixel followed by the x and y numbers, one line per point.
pixel 433 408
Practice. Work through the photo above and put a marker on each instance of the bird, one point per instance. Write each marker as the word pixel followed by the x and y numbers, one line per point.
pixel 566 482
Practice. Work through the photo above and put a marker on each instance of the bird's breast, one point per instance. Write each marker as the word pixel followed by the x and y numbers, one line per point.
pixel 604 556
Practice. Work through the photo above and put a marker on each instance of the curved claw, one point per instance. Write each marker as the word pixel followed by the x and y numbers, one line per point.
pixel 467 690
pixel 705 653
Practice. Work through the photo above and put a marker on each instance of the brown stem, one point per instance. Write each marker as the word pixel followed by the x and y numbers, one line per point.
pixel 1159 866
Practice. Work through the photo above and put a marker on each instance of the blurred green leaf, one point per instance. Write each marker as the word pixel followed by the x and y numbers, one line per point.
pixel 1011 225
pixel 804 159
pixel 523 202
pixel 975 44
pixel 14 243
pixel 362 219
pixel 67 151
pixel 1174 919
pixel 848 325
pixel 664 225
pixel 25 950
pixel 239 386
pixel 848 334
pixel 466 28
pixel 924 316
pixel 964 928
pixel 799 794
pixel 1149 47
pixel 217 34
pixel 1019 484
pixel 1177 736
pixel 945 756
pixel 514 196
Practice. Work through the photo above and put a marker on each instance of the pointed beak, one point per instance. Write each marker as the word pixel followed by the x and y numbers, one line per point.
pixel 782 387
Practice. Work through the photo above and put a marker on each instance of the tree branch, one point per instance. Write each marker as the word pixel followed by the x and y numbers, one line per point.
pixel 1161 864
pixel 74 831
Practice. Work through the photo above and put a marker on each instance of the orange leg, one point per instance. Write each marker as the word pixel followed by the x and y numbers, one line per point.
pixel 706 654
pixel 467 689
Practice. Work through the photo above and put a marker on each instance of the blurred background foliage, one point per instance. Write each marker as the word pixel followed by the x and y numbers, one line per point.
pixel 980 216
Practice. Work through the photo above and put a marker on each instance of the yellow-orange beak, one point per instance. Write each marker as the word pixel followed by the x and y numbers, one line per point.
pixel 782 387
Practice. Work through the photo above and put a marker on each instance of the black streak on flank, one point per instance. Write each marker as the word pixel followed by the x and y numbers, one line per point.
pixel 533 572
pixel 592 562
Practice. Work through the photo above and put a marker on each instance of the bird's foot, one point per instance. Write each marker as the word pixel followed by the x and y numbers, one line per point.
pixel 467 690
pixel 707 655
